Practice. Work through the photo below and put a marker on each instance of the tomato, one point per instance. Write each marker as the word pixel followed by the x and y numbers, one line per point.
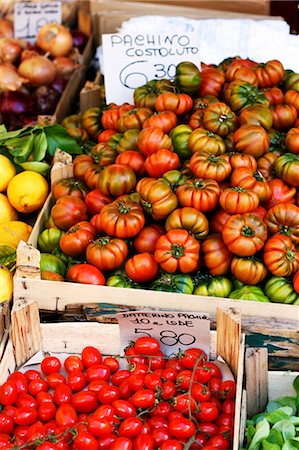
pixel 123 219
pixel 101 428
pixel 189 219
pixel 134 119
pixel 133 159
pixel 47 411
pixel 219 442
pixel 143 398
pixel 91 121
pixel 283 218
pixel 105 443
pixel 95 200
pixel 238 160
pixel 256 115
pixel 117 179
pixel 201 139
pixel 86 274
pixel 252 139
pixel 249 293
pixel 66 416
pixel 112 115
pixel 146 239
pixel 205 165
pixel 280 193
pixel 240 95
pixel 215 286
pixel 187 77
pixel 208 412
pixel 20 381
pixel 212 81
pixel 85 401
pixel 75 241
pixel 177 250
pixel 91 356
pixel 228 389
pixel 281 256
pixel 180 136
pixel 25 416
pixel 103 154
pixel 6 424
pixel 292 98
pixel 152 139
pixel 126 141
pixel 98 372
pixel 201 194
pixel 147 346
pixel 219 118
pixel 165 120
pixel 80 164
pixel 178 103
pixel 217 257
pixel 253 180
pixel 248 270
pixel 296 282
pixel 106 253
pixel 284 116
pixel 85 441
pixel 8 393
pixel 160 162
pixel 280 290
pixel 238 200
pixel 51 263
pixel 76 380
pixel 68 211
pixel 244 234
pixel 50 364
pixel 286 168
pixel 157 198
pixel 182 428
pixel 92 174
pixel 218 220
pixel 69 186
pixel 179 283
pixel 200 392
pixel 142 267
pixel 49 239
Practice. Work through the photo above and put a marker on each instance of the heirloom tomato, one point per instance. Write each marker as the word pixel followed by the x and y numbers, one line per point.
pixel 216 255
pixel 51 263
pixel 75 241
pixel 269 74
pixel 180 136
pixel 174 179
pixel 68 211
pixel 146 239
pixel 105 135
pixel 142 267
pixel 283 218
pixel 220 119
pixel 106 253
pixel 248 269
pixel 133 119
pixel 244 234
pixel 280 193
pixel 95 200
pixel 91 122
pixel 151 139
pixel 281 256
pixel 160 162
pixel 240 95
pixel 265 165
pixel 112 115
pixel 97 223
pixel 126 141
pixel 133 159
pixel 205 165
pixel 187 77
pixel 92 174
pixel 190 219
pixel 248 292
pixel 214 286
pixel 212 81
pixel 274 94
pixel 286 167
pixel 237 200
pixel 253 180
pixel 121 280
pixel 165 120
pixel 69 186
pixel 49 239
pixel 122 218
pixel 86 274
pixel 103 154
pixel 157 198
pixel 292 98
pixel 218 220
pixel 177 250
pixel 117 179
pixel 280 290
pixel 236 71
pixel 201 194
pixel 238 160
pixel 284 116
pixel 146 95
pixel 252 139
pixel 292 140
pixel 177 103
pixel 204 140
pixel 296 282
pixel 256 115
pixel 80 164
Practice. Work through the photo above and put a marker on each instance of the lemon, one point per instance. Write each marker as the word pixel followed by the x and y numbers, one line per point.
pixel 7 170
pixel 27 191
pixel 11 233
pixel 6 284
pixel 7 212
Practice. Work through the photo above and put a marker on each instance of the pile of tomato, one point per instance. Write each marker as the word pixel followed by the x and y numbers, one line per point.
pixel 192 189
pixel 89 402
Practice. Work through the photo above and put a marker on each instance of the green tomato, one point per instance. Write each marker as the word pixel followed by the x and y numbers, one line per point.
pixel 280 290
pixel 121 281
pixel 249 293
pixel 180 137
pixel 51 263
pixel 187 77
pixel 181 284
pixel 214 287
pixel 49 239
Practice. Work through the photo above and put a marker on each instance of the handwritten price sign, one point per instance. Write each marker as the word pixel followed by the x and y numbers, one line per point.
pixel 131 61
pixel 174 330
pixel 29 17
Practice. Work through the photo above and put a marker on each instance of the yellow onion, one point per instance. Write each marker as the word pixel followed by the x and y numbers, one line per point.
pixel 64 65
pixel 6 28
pixel 55 39
pixel 10 80
pixel 10 50
pixel 38 69
pixel 28 54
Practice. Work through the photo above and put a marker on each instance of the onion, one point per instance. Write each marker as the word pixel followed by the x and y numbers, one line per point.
pixel 10 50
pixel 59 83
pixel 46 100
pixel 38 69
pixel 28 54
pixel 6 28
pixel 79 39
pixel 64 65
pixel 55 39
pixel 16 102
pixel 10 80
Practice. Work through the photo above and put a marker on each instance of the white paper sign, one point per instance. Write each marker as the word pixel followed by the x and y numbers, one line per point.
pixel 174 330
pixel 29 17
pixel 131 60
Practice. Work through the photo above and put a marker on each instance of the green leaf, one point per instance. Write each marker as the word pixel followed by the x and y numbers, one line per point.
pixel 272 406
pixel 291 444
pixel 36 166
pixel 12 134
pixel 296 384
pixel 7 255
pixel 288 401
pixel 58 137
pixel 288 430
pixel 25 151
pixel 275 437
pixel 2 129
pixel 40 146
pixel 294 420
pixel 279 414
pixel 15 145
pixel 262 432
pixel 250 432
pixel 266 445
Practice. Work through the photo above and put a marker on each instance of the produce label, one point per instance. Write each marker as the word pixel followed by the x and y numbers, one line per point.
pixel 174 330
pixel 29 17
pixel 131 60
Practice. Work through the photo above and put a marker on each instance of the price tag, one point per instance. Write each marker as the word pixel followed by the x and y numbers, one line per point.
pixel 29 17
pixel 131 60
pixel 175 330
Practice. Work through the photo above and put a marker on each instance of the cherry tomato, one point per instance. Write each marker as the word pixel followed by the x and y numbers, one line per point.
pixel 160 435
pixel 91 356
pixel 98 372
pixel 152 381
pixel 200 392
pixel 203 374
pixel 25 416
pixel 208 428
pixel 44 397
pixel 157 422
pixel 105 444
pixel 144 398
pixel 162 409
pixel 228 407
pixel 76 380
pixel 85 401
pixel 104 412
pixel 100 428
pixel 54 379
pixel 219 442
pixel 183 379
pixel 147 345
pixel 36 386
pixel 26 400
pixel 66 416
pixel 184 403
pixel 32 374
pixel 6 424
pixel 169 390
pixel 73 362
pixel 97 385
pixel 8 393
pixel 46 445
pixel 208 412
pixel 9 410
pixel 122 443
pixel 215 371
pixel 36 431
pixel 130 427
pixel 46 411
pixel 85 441
pixel 170 374
pixel 50 364
pixel 108 394
pixel 228 389
pixel 182 428
pixel 120 376
pixel 225 419
pixel 171 444
pixel 193 356
pixel 215 385
pixel 124 409
pixel 20 381
pixel 112 363
pixel 144 442
pixel 136 381
pixel 62 394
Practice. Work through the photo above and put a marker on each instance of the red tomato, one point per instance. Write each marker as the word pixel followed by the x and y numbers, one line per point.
pixel 73 362
pixel 20 381
pixel 124 409
pixel 142 267
pixel 85 441
pixel 91 356
pixel 95 200
pixel 85 401
pixel 6 424
pixel 160 435
pixel 171 444
pixel 105 444
pixel 208 428
pixel 130 427
pixel 25 416
pixel 215 384
pixel 192 356
pixel 86 274
pixel 219 442
pixel 8 393
pixel 146 346
pixel 112 363
pixel 108 395
pixel 66 416
pixel 120 376
pixel 46 445
pixel 208 412
pixel 50 364
pixel 215 371
pixel 100 428
pixel 46 411
pixel 144 398
pixel 169 390
pixel 26 400
pixel 32 375
pixel 146 239
pixel 144 442
pixel 183 379
pixel 97 385
pixel 98 372
pixel 122 443
pixel 228 389
pixel 182 428
pixel 54 379
pixel 62 394
pixel 37 386
pixel 200 392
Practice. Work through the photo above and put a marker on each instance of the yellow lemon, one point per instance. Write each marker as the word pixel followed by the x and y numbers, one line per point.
pixel 7 170
pixel 11 233
pixel 7 212
pixel 27 191
pixel 6 284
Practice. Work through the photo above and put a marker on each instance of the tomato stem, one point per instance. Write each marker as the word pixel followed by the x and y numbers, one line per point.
pixel 247 231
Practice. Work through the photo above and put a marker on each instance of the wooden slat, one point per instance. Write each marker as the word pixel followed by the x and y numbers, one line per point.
pixel 228 325
pixel 256 369
pixel 7 362
pixel 90 96
pixel 239 391
pixel 28 261
pixel 25 330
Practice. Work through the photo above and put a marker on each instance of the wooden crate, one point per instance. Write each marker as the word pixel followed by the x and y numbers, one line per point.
pixel 28 337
